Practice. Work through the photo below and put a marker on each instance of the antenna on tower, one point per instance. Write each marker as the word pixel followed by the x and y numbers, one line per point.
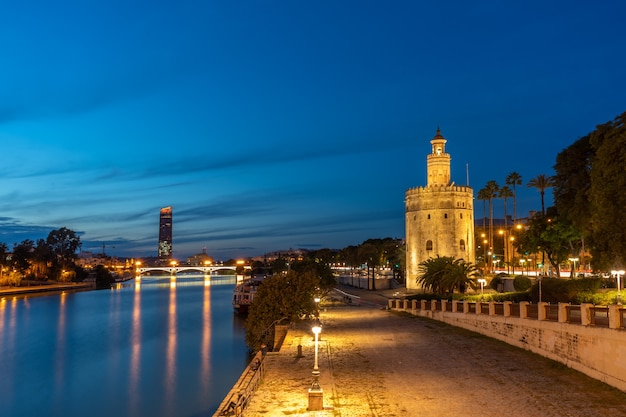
pixel 467 173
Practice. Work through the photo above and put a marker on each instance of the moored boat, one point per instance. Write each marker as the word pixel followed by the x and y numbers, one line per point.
pixel 244 294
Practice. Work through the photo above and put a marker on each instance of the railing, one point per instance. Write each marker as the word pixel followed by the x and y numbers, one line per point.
pixel 240 395
pixel 551 312
pixel 613 316
pixel 573 314
pixel 600 316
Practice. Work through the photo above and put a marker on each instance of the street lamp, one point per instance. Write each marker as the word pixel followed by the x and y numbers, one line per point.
pixel 573 260
pixel 315 392
pixel 618 274
pixel 482 282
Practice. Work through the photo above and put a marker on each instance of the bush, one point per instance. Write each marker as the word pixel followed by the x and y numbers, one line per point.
pixel 495 282
pixel 554 290
pixel 522 283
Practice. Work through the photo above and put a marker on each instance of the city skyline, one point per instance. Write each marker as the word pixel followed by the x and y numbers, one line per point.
pixel 270 125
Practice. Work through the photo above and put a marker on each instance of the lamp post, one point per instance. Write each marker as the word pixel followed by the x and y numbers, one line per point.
pixel 504 248
pixel 573 260
pixel 316 400
pixel 618 274
pixel 482 282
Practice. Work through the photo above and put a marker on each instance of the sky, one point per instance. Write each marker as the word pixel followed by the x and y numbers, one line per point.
pixel 277 124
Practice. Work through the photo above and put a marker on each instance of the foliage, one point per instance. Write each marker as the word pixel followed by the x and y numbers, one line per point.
pixel 521 283
pixel 588 191
pixel 541 182
pixel 286 296
pixel 608 182
pixel 550 235
pixel 555 290
pixel 104 278
pixel 514 179
pixel 444 274
pixel 572 183
pixel 495 282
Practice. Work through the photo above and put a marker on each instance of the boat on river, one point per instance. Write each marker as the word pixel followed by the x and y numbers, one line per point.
pixel 244 293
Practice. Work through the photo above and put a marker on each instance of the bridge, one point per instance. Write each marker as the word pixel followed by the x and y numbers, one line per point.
pixel 173 270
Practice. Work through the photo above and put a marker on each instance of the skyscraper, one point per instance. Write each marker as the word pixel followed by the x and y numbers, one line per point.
pixel 165 233
pixel 439 217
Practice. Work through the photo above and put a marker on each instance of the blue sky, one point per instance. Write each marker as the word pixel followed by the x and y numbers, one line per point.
pixel 270 125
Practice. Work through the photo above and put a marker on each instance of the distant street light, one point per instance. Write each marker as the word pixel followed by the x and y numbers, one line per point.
pixel 573 260
pixel 618 274
pixel 482 282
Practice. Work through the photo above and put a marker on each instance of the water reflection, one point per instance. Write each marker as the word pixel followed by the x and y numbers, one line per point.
pixel 60 342
pixel 135 340
pixel 170 361
pixel 205 348
pixel 155 347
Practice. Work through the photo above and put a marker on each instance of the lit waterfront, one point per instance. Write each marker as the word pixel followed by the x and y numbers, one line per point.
pixel 157 347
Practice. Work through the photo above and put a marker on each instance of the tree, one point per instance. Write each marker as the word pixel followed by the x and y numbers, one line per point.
pixel 443 274
pixel 289 297
pixel 483 195
pixel 572 183
pixel 505 193
pixel 556 238
pixel 608 182
pixel 490 192
pixel 22 255
pixel 541 182
pixel 370 253
pixel 514 179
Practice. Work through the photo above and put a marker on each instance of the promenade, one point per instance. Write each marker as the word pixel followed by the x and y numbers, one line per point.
pixel 377 363
pixel 27 289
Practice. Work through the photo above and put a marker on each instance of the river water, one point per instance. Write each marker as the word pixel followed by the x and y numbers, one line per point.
pixel 154 347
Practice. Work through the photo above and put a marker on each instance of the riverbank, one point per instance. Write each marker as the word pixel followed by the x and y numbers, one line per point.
pixel 374 362
pixel 7 291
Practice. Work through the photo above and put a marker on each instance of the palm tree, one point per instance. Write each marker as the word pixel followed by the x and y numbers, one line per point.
pixel 541 182
pixel 514 179
pixel 491 191
pixel 483 195
pixel 444 274
pixel 504 193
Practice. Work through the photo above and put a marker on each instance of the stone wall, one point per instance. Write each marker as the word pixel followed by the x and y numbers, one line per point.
pixel 597 351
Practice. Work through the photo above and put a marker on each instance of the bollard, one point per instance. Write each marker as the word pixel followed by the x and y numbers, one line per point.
pixel 300 355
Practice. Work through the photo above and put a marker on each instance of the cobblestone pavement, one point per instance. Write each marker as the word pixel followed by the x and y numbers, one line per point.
pixel 378 363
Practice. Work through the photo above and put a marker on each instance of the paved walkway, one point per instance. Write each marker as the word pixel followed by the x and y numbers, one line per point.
pixel 378 363
pixel 44 288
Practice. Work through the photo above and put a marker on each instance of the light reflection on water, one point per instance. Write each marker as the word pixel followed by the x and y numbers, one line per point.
pixel 154 347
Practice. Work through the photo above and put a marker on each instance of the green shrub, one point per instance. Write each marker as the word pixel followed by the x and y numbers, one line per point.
pixel 495 282
pixel 521 283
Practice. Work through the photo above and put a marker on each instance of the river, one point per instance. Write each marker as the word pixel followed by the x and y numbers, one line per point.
pixel 152 347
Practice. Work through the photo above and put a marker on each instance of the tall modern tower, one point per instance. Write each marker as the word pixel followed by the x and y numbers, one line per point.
pixel 165 233
pixel 439 217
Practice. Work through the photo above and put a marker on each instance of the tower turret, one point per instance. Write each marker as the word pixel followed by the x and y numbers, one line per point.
pixel 438 162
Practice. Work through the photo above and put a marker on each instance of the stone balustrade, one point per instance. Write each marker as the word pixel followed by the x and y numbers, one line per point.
pixel 585 337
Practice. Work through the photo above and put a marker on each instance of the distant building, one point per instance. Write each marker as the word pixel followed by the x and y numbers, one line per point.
pixel 200 258
pixel 165 233
pixel 439 217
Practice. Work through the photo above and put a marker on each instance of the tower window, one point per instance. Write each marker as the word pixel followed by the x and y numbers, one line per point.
pixel 429 245
pixel 445 215
pixel 461 215
pixel 462 244
pixel 429 217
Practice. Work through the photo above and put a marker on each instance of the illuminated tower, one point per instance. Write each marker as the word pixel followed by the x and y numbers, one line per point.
pixel 165 233
pixel 439 217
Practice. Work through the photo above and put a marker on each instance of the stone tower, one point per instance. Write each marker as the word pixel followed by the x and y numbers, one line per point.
pixel 439 217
